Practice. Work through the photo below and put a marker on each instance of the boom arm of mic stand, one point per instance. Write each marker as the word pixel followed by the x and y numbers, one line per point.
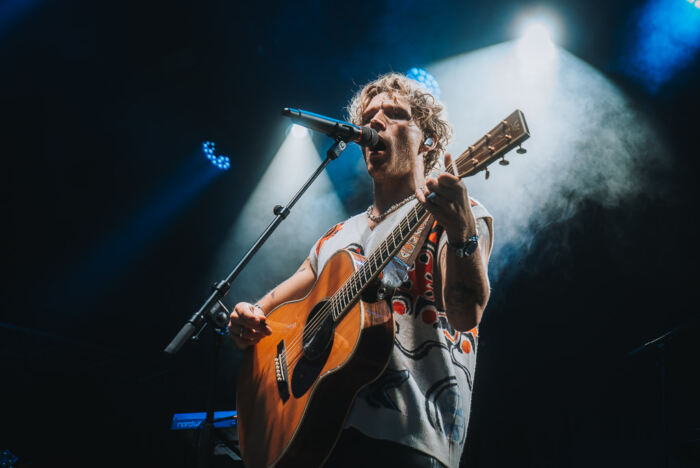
pixel 208 311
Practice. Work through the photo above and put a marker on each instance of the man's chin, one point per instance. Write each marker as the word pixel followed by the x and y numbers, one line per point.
pixel 377 172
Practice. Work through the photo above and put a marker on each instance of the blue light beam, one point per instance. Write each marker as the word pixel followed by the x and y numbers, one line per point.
pixel 667 38
pixel 107 262
pixel 12 12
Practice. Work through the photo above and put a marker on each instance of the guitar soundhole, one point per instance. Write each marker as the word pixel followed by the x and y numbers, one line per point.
pixel 317 342
pixel 318 333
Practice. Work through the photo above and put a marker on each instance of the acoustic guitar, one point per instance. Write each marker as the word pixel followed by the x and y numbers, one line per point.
pixel 296 386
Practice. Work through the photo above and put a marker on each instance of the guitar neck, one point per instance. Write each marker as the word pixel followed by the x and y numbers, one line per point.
pixel 350 292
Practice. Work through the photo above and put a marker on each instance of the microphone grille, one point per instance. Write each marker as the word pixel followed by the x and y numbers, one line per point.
pixel 369 137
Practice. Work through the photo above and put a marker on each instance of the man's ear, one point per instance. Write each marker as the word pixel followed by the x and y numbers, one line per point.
pixel 428 144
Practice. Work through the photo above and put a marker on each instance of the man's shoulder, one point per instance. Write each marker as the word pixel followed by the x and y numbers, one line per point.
pixel 342 226
pixel 479 209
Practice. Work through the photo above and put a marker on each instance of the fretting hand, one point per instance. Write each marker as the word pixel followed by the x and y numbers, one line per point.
pixel 450 205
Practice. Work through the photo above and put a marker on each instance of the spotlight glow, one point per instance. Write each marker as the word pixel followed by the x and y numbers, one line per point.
pixel 588 142
pixel 665 41
pixel 284 251
pixel 536 46
pixel 297 131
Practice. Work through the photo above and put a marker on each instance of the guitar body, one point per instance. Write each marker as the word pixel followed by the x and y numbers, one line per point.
pixel 292 402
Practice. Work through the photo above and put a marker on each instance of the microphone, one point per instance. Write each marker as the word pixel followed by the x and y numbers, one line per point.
pixel 363 136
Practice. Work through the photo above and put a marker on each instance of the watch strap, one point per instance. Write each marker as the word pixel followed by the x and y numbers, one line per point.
pixel 465 249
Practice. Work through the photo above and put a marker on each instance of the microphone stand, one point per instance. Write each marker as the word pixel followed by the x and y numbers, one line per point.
pixel 659 343
pixel 213 310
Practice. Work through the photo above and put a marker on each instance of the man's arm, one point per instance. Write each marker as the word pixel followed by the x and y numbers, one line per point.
pixel 465 283
pixel 247 322
pixel 294 287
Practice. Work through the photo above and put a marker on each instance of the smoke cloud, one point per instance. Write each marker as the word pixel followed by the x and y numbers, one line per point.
pixel 588 142
pixel 317 210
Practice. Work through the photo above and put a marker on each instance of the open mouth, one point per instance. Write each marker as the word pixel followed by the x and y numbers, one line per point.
pixel 380 146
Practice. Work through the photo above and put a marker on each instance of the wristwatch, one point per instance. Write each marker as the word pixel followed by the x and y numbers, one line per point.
pixel 466 249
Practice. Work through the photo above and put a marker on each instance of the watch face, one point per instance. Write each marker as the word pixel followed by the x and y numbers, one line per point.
pixel 467 248
pixel 470 247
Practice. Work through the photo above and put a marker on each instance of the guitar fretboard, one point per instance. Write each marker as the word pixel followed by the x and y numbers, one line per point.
pixel 350 292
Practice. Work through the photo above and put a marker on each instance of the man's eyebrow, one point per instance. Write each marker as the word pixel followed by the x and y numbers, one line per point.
pixel 385 104
pixel 367 112
pixel 368 109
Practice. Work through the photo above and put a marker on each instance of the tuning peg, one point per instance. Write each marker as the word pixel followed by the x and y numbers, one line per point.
pixel 487 174
pixel 521 150
pixel 503 162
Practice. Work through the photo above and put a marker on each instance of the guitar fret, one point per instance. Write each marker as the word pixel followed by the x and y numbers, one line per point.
pixel 334 310
pixel 376 263
pixel 394 241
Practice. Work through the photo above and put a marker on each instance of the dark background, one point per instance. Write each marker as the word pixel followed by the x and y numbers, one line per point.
pixel 104 106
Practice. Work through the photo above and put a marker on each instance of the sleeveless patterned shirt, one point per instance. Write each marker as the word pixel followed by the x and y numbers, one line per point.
pixel 423 398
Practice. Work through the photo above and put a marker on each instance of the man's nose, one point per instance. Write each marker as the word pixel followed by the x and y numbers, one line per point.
pixel 376 123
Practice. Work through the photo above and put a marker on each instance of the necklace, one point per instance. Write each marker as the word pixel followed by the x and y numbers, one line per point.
pixel 392 208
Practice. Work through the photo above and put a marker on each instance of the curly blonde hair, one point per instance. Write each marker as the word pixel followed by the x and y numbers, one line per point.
pixel 426 110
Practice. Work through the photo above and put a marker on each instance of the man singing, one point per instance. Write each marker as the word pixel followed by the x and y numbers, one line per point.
pixel 416 414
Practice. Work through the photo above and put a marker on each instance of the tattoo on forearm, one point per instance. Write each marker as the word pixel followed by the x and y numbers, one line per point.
pixel 302 267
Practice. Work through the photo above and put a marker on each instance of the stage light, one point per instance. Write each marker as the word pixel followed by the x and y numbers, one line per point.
pixel 536 46
pixel 222 162
pixel 297 131
pixel 589 143
pixel 425 79
pixel 317 210
pixel 666 39
pixel 102 264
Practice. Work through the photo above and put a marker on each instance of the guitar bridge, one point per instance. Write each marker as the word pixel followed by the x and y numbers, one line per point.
pixel 281 371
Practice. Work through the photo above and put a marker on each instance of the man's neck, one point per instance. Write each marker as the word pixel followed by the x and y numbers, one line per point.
pixel 389 192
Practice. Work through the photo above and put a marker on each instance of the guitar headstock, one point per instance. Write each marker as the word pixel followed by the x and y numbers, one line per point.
pixel 494 145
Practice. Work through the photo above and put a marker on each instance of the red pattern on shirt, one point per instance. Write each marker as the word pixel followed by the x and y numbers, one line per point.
pixel 422 295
